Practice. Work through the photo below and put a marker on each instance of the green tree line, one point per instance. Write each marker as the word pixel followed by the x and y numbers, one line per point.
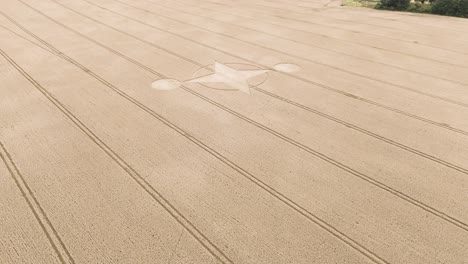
pixel 458 8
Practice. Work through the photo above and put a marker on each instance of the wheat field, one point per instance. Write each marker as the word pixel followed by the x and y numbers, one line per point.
pixel 216 131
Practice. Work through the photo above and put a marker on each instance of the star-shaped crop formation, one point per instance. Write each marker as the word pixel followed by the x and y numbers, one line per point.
pixel 237 79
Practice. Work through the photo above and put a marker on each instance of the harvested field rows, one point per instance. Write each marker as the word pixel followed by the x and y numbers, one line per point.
pixel 214 131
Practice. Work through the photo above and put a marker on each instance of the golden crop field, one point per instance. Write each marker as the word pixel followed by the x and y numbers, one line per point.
pixel 216 131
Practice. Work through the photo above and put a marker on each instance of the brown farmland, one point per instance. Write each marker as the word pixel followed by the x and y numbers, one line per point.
pixel 215 131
